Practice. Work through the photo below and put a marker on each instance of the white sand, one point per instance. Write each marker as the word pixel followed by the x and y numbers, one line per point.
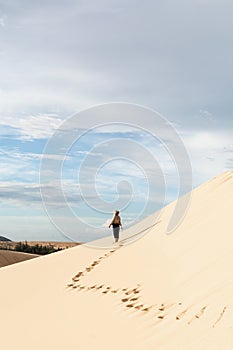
pixel 162 292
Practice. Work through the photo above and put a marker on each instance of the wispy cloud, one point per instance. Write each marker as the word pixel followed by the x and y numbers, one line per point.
pixel 210 152
pixel 30 127
pixel 2 22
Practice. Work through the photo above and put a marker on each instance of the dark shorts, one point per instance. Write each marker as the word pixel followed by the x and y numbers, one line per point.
pixel 116 231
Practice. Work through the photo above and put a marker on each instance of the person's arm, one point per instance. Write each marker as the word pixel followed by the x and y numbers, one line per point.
pixel 121 224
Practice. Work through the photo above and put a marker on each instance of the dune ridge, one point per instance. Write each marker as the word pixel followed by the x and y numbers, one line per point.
pixel 161 292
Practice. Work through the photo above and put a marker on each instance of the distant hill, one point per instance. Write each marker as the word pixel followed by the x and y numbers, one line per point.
pixel 4 239
pixel 8 257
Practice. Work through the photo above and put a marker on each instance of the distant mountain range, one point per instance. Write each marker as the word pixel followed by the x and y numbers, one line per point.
pixel 4 239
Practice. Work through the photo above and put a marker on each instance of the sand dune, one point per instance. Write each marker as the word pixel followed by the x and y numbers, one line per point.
pixel 62 245
pixel 8 257
pixel 163 292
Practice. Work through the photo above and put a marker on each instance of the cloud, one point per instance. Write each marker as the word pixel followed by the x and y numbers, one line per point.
pixel 206 115
pixel 46 89
pixel 27 156
pixel 210 152
pixel 178 70
pixel 28 194
pixel 30 127
pixel 2 22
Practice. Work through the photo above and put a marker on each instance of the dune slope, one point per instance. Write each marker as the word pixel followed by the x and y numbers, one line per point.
pixel 163 292
pixel 8 257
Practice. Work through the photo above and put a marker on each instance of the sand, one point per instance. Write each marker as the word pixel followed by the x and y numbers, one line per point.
pixel 8 257
pixel 162 292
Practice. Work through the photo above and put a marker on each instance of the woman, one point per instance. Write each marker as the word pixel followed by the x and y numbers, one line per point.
pixel 116 224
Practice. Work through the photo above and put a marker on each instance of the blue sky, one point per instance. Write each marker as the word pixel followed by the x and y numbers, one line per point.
pixel 59 58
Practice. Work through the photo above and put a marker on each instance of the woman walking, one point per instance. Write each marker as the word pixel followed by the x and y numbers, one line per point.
pixel 116 224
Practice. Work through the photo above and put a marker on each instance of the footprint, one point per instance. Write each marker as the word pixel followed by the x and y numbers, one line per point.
pixel 130 305
pixel 220 316
pixel 79 274
pixel 165 307
pixel 125 299
pixel 148 308
pixel 162 307
pixel 161 317
pixel 133 299
pixel 180 315
pixel 82 287
pixel 136 291
pixel 75 279
pixel 138 307
pixel 88 269
pixel 198 315
pixel 93 287
pixel 107 290
pixel 132 291
pixel 114 290
pixel 99 287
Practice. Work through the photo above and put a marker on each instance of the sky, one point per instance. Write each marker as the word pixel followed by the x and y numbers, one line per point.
pixel 60 58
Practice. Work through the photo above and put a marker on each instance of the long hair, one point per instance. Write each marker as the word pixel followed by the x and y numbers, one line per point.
pixel 116 218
